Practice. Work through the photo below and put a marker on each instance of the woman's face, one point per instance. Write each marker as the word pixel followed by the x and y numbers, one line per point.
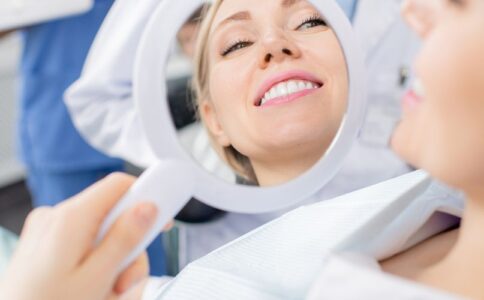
pixel 277 81
pixel 442 130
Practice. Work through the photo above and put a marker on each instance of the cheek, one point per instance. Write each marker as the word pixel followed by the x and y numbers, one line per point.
pixel 444 134
pixel 229 93
pixel 328 56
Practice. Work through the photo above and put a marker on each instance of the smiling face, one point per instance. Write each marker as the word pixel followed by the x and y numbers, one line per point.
pixel 442 129
pixel 276 86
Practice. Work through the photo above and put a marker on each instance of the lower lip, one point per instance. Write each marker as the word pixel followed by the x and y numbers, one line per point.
pixel 289 98
pixel 411 100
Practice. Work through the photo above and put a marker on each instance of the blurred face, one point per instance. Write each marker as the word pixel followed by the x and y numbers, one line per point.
pixel 442 130
pixel 277 81
pixel 187 37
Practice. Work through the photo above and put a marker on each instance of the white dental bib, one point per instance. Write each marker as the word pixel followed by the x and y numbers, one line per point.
pixel 282 259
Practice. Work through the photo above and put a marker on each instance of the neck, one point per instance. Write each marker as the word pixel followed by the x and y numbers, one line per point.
pixel 280 172
pixel 470 244
pixel 463 266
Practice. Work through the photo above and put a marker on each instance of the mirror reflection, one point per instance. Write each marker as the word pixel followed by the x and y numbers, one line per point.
pixel 257 93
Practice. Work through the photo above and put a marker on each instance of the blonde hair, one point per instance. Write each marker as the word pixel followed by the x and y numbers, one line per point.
pixel 234 158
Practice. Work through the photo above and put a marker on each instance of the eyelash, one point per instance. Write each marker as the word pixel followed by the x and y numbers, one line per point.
pixel 457 2
pixel 236 46
pixel 316 20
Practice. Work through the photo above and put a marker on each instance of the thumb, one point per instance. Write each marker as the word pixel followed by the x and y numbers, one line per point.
pixel 126 233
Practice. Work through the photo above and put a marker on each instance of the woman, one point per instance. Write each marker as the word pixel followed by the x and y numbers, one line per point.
pixel 441 132
pixel 282 99
pixel 445 140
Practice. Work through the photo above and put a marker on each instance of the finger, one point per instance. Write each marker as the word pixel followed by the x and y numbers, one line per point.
pixel 121 239
pixel 36 221
pixel 34 233
pixel 87 210
pixel 91 207
pixel 95 202
pixel 136 272
pixel 136 292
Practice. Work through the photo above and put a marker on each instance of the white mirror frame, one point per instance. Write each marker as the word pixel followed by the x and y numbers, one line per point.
pixel 150 95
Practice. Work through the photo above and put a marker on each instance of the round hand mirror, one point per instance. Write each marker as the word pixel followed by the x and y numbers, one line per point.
pixel 279 98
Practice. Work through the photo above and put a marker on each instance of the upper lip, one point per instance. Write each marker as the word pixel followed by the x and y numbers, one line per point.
pixel 281 77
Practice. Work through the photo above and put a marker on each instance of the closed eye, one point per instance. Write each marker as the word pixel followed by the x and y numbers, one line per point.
pixel 311 22
pixel 236 46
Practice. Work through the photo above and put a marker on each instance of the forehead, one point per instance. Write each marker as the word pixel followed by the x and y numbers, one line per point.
pixel 243 9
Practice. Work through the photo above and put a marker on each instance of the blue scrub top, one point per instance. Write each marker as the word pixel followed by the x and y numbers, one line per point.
pixel 53 57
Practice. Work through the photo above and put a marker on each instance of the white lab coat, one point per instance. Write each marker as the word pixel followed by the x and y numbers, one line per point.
pixel 101 106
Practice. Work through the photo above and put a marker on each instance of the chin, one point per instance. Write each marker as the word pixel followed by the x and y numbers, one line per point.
pixel 405 146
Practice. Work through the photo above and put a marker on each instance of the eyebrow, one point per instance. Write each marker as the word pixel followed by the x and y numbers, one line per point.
pixel 245 15
pixel 289 3
pixel 240 16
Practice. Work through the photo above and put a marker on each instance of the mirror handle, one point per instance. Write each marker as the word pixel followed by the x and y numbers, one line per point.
pixel 168 184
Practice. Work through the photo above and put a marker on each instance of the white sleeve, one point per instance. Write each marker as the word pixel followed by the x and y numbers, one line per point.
pixel 100 102
pixel 155 286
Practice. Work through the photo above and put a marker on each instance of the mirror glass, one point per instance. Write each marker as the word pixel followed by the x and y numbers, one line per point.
pixel 257 93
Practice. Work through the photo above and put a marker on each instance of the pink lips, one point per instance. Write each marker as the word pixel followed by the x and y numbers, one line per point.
pixel 411 100
pixel 291 75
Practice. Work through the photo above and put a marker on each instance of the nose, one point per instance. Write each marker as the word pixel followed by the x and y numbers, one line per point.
pixel 421 15
pixel 276 47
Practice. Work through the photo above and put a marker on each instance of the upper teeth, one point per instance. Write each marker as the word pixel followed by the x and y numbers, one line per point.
pixel 418 88
pixel 286 88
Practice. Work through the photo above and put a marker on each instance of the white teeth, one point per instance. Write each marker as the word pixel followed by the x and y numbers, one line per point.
pixel 292 87
pixel 282 89
pixel 273 93
pixel 418 88
pixel 286 88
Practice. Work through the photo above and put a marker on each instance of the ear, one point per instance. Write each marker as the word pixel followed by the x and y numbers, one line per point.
pixel 210 119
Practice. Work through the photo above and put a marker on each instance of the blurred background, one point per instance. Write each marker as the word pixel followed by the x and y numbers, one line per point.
pixel 15 200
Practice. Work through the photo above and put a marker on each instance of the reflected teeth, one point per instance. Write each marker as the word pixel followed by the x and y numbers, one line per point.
pixel 286 88
pixel 418 88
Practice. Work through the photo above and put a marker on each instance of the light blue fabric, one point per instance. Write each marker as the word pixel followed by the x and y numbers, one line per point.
pixel 349 7
pixel 8 242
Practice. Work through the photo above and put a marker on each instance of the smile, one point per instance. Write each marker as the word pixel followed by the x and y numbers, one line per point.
pixel 414 96
pixel 286 88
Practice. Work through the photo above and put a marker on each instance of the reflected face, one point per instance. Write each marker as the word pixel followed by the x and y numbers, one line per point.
pixel 443 124
pixel 277 82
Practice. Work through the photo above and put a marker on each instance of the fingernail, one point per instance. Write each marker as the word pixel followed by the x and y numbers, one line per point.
pixel 146 214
